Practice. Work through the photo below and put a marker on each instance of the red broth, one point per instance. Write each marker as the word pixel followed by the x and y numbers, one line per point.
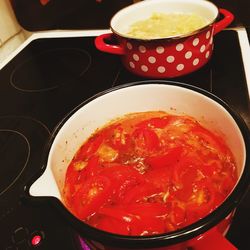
pixel 149 173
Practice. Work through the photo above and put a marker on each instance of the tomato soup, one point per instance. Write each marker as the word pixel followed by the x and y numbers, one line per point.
pixel 149 173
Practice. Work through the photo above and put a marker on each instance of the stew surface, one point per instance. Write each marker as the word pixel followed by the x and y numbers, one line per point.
pixel 149 173
pixel 162 25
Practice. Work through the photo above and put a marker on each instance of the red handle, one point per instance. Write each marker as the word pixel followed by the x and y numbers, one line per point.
pixel 101 44
pixel 222 24
pixel 212 239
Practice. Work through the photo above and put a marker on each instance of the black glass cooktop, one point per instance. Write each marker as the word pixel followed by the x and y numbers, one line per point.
pixel 44 82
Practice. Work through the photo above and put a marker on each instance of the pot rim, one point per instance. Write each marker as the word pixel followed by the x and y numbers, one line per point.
pixel 168 38
pixel 161 240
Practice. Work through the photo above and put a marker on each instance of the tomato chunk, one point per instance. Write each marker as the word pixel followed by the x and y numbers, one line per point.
pixel 143 192
pixel 142 219
pixel 120 139
pixel 90 147
pixel 210 138
pixel 146 139
pixel 169 158
pixel 91 195
pixel 123 178
pixel 112 225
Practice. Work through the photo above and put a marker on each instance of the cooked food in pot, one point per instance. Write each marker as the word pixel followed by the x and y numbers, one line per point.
pixel 149 173
pixel 162 25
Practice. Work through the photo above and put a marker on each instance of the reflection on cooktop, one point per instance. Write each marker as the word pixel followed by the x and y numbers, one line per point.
pixel 56 67
pixel 12 143
pixel 22 141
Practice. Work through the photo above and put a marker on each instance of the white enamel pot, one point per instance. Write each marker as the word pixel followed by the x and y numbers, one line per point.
pixel 172 97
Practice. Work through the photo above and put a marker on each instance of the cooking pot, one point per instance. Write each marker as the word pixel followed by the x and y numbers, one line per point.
pixel 164 57
pixel 168 96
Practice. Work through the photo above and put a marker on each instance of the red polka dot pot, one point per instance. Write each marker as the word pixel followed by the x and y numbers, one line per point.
pixel 164 57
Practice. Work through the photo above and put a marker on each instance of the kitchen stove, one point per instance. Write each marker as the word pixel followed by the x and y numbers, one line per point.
pixel 44 80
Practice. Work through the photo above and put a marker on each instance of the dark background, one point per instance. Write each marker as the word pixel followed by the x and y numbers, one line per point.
pixel 92 14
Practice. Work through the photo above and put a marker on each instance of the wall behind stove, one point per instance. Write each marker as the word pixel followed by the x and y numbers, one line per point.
pixel 11 33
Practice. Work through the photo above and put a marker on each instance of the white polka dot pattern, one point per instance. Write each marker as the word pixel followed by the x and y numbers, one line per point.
pixel 136 57
pixel 152 59
pixel 129 46
pixel 174 60
pixel 188 55
pixel 196 41
pixel 208 34
pixel 180 67
pixel 144 68
pixel 202 49
pixel 132 65
pixel 160 50
pixel 196 61
pixel 170 59
pixel 179 47
pixel 161 69
pixel 142 49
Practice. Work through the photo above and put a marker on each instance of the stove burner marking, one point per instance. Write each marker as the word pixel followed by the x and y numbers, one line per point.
pixel 116 77
pixel 211 80
pixel 50 69
pixel 34 134
pixel 26 118
pixel 26 161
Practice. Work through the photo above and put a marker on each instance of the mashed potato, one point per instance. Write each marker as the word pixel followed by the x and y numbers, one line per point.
pixel 161 25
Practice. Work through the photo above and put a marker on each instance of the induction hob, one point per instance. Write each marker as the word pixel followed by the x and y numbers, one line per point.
pixel 49 75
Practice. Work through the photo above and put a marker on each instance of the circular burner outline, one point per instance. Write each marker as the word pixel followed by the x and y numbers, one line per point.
pixel 11 130
pixel 16 178
pixel 26 118
pixel 39 54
